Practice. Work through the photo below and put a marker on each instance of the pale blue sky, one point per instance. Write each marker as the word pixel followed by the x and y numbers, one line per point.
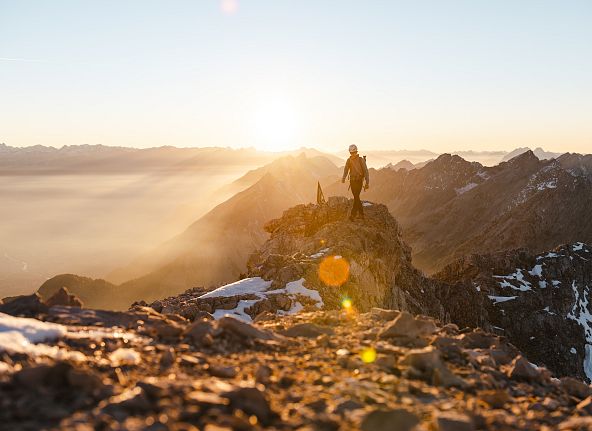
pixel 442 75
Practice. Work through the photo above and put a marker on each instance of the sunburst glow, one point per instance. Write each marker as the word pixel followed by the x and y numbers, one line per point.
pixel 276 125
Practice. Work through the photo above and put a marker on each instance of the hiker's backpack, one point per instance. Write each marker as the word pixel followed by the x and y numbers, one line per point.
pixel 356 170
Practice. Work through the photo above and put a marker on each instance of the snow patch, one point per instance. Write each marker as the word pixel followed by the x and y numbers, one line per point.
pixel 537 271
pixel 123 356
pixel 297 288
pixel 548 256
pixel 573 350
pixel 466 188
pixel 581 314
pixel 551 184
pixel 258 287
pixel 517 277
pixel 33 330
pixel 242 287
pixel 578 246
pixel 319 253
pixel 588 361
pixel 20 335
pixel 367 204
pixel 498 299
pixel 238 312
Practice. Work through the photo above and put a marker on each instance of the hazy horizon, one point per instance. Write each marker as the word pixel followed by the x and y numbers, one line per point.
pixel 441 76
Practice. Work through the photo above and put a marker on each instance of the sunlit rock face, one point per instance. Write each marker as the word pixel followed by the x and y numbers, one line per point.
pixel 317 258
pixel 364 263
pixel 540 302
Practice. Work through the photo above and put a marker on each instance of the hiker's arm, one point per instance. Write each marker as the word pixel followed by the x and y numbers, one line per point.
pixel 345 170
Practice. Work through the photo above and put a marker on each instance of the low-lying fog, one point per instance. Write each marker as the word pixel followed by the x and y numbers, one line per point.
pixel 90 224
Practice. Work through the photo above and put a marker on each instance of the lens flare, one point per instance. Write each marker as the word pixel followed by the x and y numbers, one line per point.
pixel 347 304
pixel 368 355
pixel 229 7
pixel 334 271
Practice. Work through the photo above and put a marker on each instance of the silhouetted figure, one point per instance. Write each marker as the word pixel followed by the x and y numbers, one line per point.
pixel 358 172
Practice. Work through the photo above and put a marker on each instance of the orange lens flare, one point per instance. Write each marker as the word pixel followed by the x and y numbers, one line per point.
pixel 347 304
pixel 334 271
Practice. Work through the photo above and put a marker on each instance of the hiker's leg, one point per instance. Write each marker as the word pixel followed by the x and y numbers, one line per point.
pixel 356 187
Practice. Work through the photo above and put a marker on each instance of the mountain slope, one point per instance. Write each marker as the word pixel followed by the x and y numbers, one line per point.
pixel 451 207
pixel 540 302
pixel 215 248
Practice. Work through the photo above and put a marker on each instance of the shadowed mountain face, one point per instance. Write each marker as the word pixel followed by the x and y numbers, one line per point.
pixel 451 207
pixel 215 249
pixel 540 302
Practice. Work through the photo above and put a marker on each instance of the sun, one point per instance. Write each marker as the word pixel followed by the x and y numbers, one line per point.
pixel 276 126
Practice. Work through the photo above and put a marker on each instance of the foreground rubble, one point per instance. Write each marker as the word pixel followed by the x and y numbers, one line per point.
pixel 322 370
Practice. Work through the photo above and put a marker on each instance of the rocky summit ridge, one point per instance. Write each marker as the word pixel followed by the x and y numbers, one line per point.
pixel 316 257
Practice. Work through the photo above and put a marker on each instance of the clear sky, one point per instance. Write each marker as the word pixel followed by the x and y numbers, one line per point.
pixel 440 74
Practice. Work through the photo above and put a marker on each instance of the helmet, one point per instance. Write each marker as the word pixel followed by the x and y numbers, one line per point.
pixel 353 148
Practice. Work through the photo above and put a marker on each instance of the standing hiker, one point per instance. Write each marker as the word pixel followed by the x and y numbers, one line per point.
pixel 358 172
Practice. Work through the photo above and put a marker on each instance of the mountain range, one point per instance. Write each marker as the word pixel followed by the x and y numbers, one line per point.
pixel 447 209
pixel 451 207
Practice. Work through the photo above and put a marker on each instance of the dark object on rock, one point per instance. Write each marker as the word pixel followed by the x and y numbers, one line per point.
pixel 405 325
pixel 64 297
pixel 243 329
pixel 384 314
pixel 222 372
pixel 199 329
pixel 26 305
pixel 450 421
pixel 307 330
pixel 521 369
pixel 389 420
pixel 431 368
pixel 575 387
pixel 251 401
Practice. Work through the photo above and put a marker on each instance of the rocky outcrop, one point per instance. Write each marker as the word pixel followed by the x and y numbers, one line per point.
pixel 316 257
pixel 367 262
pixel 540 302
pixel 96 292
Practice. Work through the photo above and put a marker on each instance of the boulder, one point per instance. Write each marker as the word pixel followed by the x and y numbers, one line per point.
pixel 452 421
pixel 575 387
pixel 26 305
pixel 389 420
pixel 64 297
pixel 521 369
pixel 243 330
pixel 307 330
pixel 407 326
pixel 431 368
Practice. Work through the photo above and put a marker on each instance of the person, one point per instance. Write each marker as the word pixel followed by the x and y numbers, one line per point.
pixel 358 172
